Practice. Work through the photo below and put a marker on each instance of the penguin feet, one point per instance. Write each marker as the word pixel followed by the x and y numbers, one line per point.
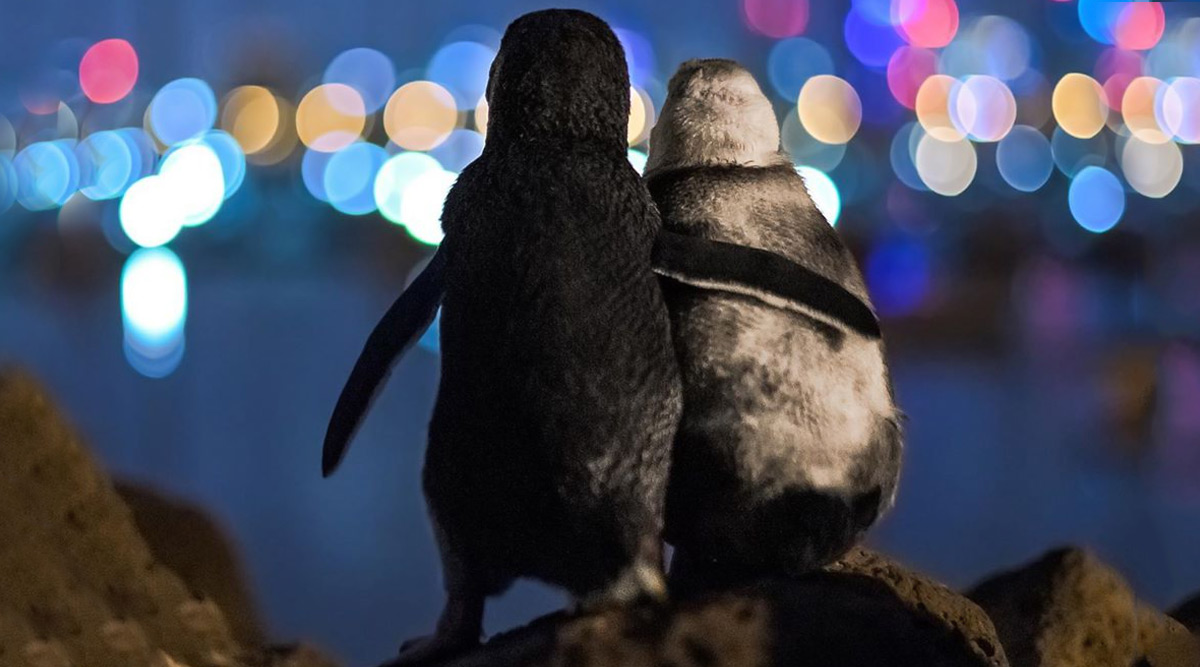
pixel 458 631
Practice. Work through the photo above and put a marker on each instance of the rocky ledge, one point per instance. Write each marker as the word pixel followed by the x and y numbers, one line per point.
pixel 93 577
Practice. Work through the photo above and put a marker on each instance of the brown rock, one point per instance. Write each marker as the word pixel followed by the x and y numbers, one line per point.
pixel 833 619
pixel 186 540
pixel 79 579
pixel 1188 613
pixel 1068 609
pixel 961 616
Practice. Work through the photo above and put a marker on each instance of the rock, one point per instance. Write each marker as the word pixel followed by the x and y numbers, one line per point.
pixel 833 619
pixel 186 540
pixel 1068 609
pixel 969 624
pixel 1188 613
pixel 81 586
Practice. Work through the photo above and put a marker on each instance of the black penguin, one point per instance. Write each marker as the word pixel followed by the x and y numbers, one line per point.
pixel 559 397
pixel 789 446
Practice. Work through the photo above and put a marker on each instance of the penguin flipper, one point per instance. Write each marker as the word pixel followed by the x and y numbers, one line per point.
pixel 759 274
pixel 402 325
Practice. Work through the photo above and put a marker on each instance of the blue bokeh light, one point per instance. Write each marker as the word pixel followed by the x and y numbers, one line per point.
pixel 47 174
pixel 459 149
pixel 639 54
pixel 367 71
pixel 1099 17
pixel 154 305
pixel 1023 158
pixel 181 110
pixel 462 68
pixel 1072 153
pixel 8 183
pixel 1096 199
pixel 229 153
pixel 194 182
pixel 871 43
pixel 350 177
pixel 312 172
pixel 105 165
pixel 794 61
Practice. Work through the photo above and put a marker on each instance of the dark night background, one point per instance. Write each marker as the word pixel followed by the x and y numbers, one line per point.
pixel 1051 375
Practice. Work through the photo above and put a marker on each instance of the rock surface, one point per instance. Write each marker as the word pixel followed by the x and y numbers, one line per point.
pixel 833 619
pixel 1068 609
pixel 970 624
pixel 1188 613
pixel 81 586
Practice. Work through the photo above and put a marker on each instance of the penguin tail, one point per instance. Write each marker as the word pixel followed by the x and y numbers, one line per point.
pixel 402 325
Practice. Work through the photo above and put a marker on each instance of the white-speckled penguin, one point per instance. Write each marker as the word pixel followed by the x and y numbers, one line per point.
pixel 790 443
pixel 560 394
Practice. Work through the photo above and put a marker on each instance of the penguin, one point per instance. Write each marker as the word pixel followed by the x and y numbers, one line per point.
pixel 549 444
pixel 790 443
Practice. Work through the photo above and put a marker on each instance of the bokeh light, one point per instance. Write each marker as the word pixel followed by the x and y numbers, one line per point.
pixel 369 72
pixel 984 108
pixel 330 117
pixel 1023 158
pixel 312 172
pixel 933 107
pixel 231 157
pixel 776 18
pixel 927 23
pixel 873 44
pixel 461 148
pixel 396 174
pixel 907 71
pixel 901 155
pixel 1139 26
pixel 421 205
pixel 182 110
pixel 8 184
pixel 420 115
pixel 1079 105
pixel 823 191
pixel 1152 169
pixel 792 62
pixel 149 216
pixel 1099 18
pixel 350 178
pixel 481 117
pixel 1071 154
pixel 1138 109
pixel 47 174
pixel 1096 199
pixel 637 159
pixel 8 138
pixel 251 115
pixel 1179 111
pixel 805 149
pixel 641 117
pixel 192 182
pixel 154 306
pixel 462 69
pixel 108 71
pixel 946 167
pixel 106 165
pixel 829 109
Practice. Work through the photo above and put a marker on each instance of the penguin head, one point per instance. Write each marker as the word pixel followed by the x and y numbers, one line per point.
pixel 560 74
pixel 715 114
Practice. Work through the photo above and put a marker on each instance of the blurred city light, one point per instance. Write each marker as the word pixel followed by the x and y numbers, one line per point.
pixel 154 305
